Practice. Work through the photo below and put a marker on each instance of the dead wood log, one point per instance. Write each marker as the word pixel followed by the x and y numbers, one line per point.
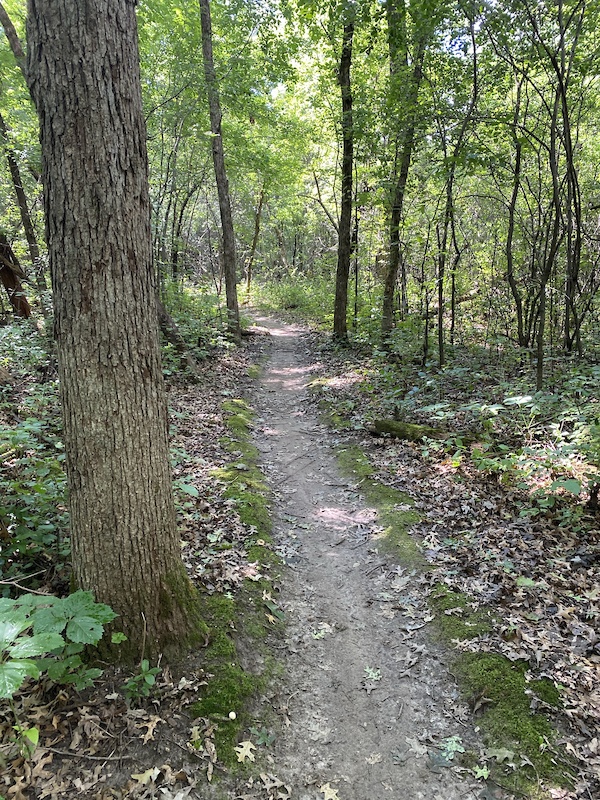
pixel 405 430
pixel 255 330
pixel 10 277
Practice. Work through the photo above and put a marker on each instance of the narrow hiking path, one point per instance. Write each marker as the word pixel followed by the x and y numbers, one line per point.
pixel 371 710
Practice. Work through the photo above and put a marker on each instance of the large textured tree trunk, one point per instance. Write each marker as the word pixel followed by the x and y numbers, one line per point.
pixel 83 73
pixel 340 330
pixel 214 104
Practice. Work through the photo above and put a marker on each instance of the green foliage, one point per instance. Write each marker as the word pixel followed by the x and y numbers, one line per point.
pixel 309 297
pixel 42 634
pixel 140 684
pixel 200 320
pixel 32 504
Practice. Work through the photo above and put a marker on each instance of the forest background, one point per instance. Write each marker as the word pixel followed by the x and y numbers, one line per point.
pixel 422 179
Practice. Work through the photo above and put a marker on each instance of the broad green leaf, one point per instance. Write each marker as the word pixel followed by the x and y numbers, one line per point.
pixel 189 489
pixel 84 630
pixel 32 734
pixel 522 581
pixel 31 646
pixel 49 620
pixel 10 628
pixel 569 485
pixel 521 400
pixel 12 675
pixel 83 604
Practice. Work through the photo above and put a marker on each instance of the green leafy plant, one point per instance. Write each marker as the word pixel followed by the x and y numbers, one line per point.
pixel 140 685
pixel 32 505
pixel 42 634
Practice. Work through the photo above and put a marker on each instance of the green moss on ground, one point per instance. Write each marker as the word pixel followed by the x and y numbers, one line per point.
pixel 252 615
pixel 393 507
pixel 230 688
pixel 456 617
pixel 507 720
pixel 243 479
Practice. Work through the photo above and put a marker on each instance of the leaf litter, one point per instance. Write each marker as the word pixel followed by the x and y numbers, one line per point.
pixel 97 744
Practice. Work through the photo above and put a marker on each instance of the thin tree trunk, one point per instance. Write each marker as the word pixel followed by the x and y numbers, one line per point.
pixel 84 77
pixel 176 232
pixel 257 219
pixel 28 227
pixel 340 328
pixel 214 104
pixel 398 47
pixel 10 277
pixel 449 207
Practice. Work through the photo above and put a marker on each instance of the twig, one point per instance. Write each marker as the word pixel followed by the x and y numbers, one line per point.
pixel 376 567
pixel 24 588
pixel 143 638
pixel 67 754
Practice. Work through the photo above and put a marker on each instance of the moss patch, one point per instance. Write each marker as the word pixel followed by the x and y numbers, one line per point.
pixel 507 719
pixel 457 618
pixel 244 481
pixel 240 624
pixel 393 507
pixel 230 687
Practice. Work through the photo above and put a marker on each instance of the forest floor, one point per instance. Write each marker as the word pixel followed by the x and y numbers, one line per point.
pixel 361 700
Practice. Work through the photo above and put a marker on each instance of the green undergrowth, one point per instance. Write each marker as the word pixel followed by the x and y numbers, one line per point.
pixel 501 690
pixel 237 654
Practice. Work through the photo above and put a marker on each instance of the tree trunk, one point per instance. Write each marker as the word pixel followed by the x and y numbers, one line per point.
pixel 28 227
pixel 398 47
pixel 214 104
pixel 257 218
pixel 10 277
pixel 340 329
pixel 84 77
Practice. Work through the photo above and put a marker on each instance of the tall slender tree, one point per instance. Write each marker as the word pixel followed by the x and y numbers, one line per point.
pixel 218 152
pixel 340 329
pixel 406 75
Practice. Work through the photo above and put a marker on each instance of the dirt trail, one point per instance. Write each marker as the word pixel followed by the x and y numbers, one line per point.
pixel 371 707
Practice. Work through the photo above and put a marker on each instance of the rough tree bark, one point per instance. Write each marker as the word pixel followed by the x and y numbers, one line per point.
pixel 340 329
pixel 83 73
pixel 214 105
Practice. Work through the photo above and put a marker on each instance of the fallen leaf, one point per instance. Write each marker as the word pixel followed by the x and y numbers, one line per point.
pixel 501 754
pixel 329 792
pixel 374 758
pixel 244 751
